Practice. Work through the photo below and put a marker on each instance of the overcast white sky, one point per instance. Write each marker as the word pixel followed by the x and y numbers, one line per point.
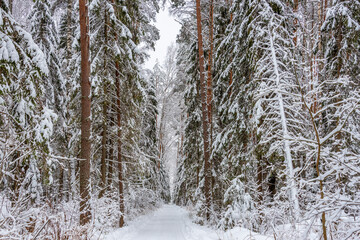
pixel 168 28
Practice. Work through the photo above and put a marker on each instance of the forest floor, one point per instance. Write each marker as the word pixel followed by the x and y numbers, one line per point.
pixel 171 222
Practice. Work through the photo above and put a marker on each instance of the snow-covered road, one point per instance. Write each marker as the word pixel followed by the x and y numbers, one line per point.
pixel 167 223
pixel 171 222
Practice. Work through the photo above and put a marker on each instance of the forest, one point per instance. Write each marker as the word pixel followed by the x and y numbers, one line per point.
pixel 252 122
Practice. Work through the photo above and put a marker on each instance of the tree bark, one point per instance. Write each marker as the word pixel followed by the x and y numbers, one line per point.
pixel 104 147
pixel 209 90
pixel 205 120
pixel 209 79
pixel 110 166
pixel 120 172
pixel 85 214
pixel 72 163
pixel 105 110
pixel 118 110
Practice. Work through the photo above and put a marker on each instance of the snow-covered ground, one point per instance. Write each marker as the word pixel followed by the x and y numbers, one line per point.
pixel 171 222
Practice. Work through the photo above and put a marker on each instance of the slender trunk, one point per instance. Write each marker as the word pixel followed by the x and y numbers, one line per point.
pixel 72 178
pixel 205 121
pixel 182 136
pixel 118 110
pixel 198 168
pixel 260 180
pixel 110 165
pixel 209 87
pixel 161 134
pixel 85 214
pixel 318 156
pixel 209 79
pixel 105 110
pixel 318 140
pixel 321 16
pixel 339 38
pixel 120 172
pixel 231 71
pixel 62 192
pixel 71 174
pixel 286 148
pixel 323 217
pixel 104 147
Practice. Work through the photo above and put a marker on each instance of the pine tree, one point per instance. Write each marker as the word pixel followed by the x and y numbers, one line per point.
pixel 236 138
pixel 46 37
pixel 23 113
pixel 205 120
pixel 85 214
pixel 190 165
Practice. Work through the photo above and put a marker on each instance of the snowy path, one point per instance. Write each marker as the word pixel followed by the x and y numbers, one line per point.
pixel 173 223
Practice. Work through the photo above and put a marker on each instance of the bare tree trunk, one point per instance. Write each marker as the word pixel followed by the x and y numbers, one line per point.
pixel 85 214
pixel 209 79
pixel 161 134
pixel 209 89
pixel 105 111
pixel 118 110
pixel 71 164
pixel 121 187
pixel 205 120
pixel 319 142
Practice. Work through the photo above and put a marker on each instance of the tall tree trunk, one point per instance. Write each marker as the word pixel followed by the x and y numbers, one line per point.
pixel 121 187
pixel 318 158
pixel 205 120
pixel 85 214
pixel 105 110
pixel 71 164
pixel 118 110
pixel 210 62
pixel 209 89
